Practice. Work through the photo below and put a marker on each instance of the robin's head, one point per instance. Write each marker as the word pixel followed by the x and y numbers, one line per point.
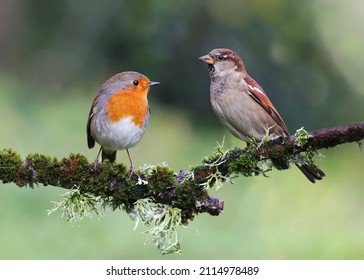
pixel 128 81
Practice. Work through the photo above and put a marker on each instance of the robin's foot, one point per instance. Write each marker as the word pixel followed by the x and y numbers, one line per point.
pixel 131 171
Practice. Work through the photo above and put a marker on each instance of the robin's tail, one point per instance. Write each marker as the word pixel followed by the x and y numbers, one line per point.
pixel 110 155
pixel 311 172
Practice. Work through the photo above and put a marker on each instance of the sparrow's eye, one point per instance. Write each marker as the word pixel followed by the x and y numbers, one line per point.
pixel 136 82
pixel 222 56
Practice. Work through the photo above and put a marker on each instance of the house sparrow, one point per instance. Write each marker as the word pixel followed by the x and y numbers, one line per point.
pixel 241 104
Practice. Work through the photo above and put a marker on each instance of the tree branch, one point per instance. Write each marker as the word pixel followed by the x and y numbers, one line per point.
pixel 186 190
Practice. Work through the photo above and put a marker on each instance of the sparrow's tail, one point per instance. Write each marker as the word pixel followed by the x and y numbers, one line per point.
pixel 311 172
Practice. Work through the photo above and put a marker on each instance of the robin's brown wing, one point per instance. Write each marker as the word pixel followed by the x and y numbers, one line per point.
pixel 90 139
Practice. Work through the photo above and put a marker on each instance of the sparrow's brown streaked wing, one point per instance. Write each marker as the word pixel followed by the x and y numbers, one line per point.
pixel 257 93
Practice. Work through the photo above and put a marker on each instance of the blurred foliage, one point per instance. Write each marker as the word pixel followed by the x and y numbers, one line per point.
pixel 307 55
pixel 290 47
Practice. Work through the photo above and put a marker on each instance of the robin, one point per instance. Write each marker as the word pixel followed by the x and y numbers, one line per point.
pixel 241 104
pixel 119 115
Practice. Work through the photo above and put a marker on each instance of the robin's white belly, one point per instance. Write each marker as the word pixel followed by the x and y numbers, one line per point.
pixel 119 135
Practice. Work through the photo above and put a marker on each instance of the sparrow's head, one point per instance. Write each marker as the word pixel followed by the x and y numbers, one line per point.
pixel 223 62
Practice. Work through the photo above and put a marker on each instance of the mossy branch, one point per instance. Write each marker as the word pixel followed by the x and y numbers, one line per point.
pixel 184 191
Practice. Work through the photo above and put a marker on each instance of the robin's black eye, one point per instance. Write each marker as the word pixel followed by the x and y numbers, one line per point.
pixel 136 82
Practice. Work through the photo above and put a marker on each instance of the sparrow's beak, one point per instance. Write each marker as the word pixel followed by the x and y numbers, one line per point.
pixel 153 83
pixel 207 59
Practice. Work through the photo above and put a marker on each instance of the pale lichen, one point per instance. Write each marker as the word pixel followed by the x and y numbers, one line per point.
pixel 301 137
pixel 307 157
pixel 219 157
pixel 76 206
pixel 161 222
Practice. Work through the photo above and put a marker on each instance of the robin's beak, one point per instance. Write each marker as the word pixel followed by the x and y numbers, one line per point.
pixel 153 83
pixel 207 59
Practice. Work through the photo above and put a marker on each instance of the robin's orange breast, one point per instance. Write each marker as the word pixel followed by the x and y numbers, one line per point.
pixel 128 103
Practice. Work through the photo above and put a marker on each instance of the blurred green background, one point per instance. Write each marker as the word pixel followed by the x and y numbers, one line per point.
pixel 307 55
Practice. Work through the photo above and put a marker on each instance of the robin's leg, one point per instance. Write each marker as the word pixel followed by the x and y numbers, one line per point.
pixel 131 164
pixel 98 159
